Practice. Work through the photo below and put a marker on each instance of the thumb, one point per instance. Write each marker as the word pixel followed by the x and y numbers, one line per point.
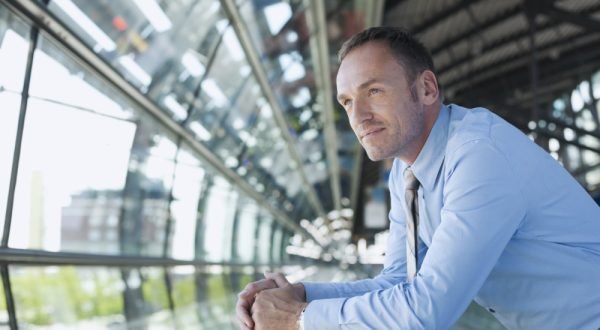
pixel 278 278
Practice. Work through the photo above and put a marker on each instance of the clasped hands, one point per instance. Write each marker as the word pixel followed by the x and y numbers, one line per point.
pixel 271 303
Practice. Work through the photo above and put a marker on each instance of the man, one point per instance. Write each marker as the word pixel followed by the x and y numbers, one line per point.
pixel 478 211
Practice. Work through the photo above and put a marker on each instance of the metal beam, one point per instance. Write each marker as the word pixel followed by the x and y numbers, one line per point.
pixel 261 77
pixel 560 138
pixel 476 30
pixel 580 132
pixel 584 169
pixel 579 59
pixel 391 5
pixel 371 20
pixel 491 71
pixel 40 257
pixel 501 42
pixel 47 22
pixel 319 47
pixel 444 14
pixel 374 12
pixel 584 21
pixel 34 34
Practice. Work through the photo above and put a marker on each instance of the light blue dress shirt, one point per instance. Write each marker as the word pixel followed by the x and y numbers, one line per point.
pixel 500 221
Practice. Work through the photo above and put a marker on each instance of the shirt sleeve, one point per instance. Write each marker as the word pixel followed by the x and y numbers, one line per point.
pixel 483 207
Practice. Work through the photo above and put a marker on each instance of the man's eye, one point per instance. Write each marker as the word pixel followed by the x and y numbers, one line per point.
pixel 374 91
pixel 346 103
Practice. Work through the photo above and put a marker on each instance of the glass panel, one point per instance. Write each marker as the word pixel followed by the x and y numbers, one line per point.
pixel 264 239
pixel 146 299
pixel 238 119
pixel 68 190
pixel 3 310
pixel 14 45
pixel 276 246
pixel 279 31
pixel 13 57
pixel 71 173
pixel 9 115
pixel 189 178
pixel 67 297
pixel 147 191
pixel 221 302
pixel 156 298
pixel 78 88
pixel 162 47
pixel 221 92
pixel 184 297
pixel 218 221
pixel 246 230
pixel 596 85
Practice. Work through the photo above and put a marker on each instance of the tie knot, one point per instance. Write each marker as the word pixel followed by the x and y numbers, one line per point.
pixel 410 181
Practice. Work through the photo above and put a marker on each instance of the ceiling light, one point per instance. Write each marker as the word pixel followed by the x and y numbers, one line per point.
pixel 88 26
pixel 155 15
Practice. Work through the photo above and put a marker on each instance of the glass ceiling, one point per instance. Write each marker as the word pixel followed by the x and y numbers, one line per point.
pixel 187 58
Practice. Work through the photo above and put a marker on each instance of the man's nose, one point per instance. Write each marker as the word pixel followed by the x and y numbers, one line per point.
pixel 362 111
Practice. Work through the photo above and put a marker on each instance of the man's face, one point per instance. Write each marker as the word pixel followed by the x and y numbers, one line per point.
pixel 381 104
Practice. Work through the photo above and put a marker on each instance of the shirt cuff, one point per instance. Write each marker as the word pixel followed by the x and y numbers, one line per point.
pixel 323 314
pixel 316 290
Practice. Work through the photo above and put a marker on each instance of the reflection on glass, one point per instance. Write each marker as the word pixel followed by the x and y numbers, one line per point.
pixel 189 177
pixel 67 297
pixel 3 311
pixel 13 57
pixel 279 31
pixel 218 221
pixel 264 239
pixel 14 45
pixel 222 301
pixel 162 47
pixel 147 191
pixel 9 114
pixel 68 189
pixel 277 248
pixel 246 231
pixel 184 296
pixel 156 299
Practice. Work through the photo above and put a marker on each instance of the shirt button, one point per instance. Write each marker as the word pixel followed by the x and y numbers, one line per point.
pixel 491 310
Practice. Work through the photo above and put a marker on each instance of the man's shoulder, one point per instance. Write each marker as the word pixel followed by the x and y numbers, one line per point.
pixel 473 124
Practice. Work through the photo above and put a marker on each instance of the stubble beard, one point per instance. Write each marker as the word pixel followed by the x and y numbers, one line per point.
pixel 400 143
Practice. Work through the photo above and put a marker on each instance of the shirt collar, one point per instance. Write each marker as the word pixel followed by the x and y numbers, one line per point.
pixel 431 157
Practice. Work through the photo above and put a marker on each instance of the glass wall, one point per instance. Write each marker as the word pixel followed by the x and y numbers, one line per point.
pixel 123 220
pixel 570 131
pixel 13 58
pixel 186 57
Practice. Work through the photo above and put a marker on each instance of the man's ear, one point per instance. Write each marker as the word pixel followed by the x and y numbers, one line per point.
pixel 429 91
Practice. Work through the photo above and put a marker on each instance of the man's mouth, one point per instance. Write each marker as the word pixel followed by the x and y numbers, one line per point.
pixel 371 132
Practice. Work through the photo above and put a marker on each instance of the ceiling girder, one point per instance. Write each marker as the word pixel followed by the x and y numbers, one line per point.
pixel 557 136
pixel 435 19
pixel 580 19
pixel 579 41
pixel 576 60
pixel 476 30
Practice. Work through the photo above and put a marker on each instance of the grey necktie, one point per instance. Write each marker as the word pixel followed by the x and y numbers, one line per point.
pixel 412 222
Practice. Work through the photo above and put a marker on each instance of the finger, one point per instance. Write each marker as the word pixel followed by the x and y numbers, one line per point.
pixel 255 287
pixel 243 316
pixel 279 278
pixel 243 325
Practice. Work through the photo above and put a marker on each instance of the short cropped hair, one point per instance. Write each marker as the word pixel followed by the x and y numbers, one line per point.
pixel 410 52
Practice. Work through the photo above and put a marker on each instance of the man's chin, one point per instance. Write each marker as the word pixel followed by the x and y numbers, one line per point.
pixel 375 156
